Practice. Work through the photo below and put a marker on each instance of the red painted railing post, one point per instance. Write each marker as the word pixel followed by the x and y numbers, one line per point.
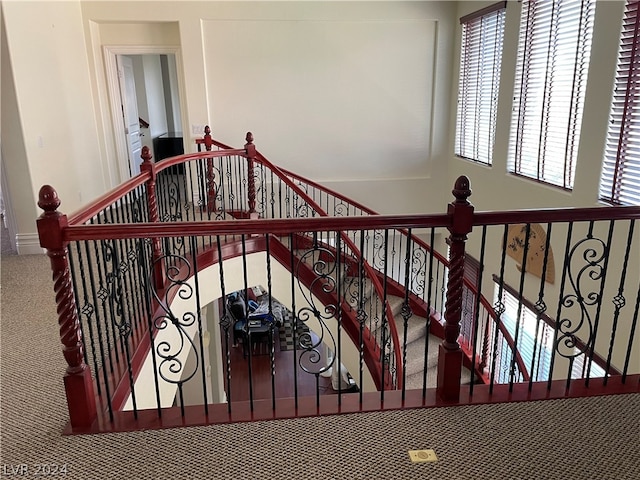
pixel 211 177
pixel 450 354
pixel 78 383
pixel 152 201
pixel 250 149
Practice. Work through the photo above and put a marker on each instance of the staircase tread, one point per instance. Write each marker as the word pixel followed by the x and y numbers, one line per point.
pixel 414 381
pixel 415 355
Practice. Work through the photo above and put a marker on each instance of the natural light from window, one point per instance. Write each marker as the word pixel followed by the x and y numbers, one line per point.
pixel 551 75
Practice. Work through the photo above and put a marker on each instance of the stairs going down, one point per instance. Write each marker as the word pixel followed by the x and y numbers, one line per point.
pixel 421 347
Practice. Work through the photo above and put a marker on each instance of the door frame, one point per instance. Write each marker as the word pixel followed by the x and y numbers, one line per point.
pixel 115 100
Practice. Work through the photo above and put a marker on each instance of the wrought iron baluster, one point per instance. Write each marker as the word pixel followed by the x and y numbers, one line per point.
pixel 322 262
pixel 293 245
pixel 362 315
pixel 94 292
pixel 103 294
pixel 632 332
pixel 193 241
pixel 87 309
pixel 246 326
pixel 476 316
pixel 519 317
pixel 605 268
pixel 565 268
pixel 586 291
pixel 272 321
pixel 145 254
pixel 74 283
pixel 225 323
pixel 499 309
pixel 171 367
pixel 406 313
pixel 339 268
pixel 430 307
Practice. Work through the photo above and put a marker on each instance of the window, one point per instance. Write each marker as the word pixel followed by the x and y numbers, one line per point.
pixel 480 60
pixel 535 339
pixel 551 74
pixel 620 181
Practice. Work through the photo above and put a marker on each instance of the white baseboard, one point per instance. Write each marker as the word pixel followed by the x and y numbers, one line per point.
pixel 28 244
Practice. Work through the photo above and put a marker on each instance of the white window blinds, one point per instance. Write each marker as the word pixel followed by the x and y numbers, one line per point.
pixel 480 61
pixel 551 74
pixel 620 181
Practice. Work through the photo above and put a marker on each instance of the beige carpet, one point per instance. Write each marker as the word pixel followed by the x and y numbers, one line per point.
pixel 587 439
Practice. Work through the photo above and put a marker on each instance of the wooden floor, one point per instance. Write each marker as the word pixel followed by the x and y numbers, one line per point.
pixel 255 369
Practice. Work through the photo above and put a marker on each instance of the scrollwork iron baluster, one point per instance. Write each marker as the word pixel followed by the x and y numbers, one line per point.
pixel 586 284
pixel 171 367
pixel 323 265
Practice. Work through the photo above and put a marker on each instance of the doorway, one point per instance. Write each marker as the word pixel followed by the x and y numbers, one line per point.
pixel 146 103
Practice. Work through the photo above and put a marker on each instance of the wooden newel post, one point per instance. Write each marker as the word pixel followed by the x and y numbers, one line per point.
pixel 211 177
pixel 250 149
pixel 152 200
pixel 78 383
pixel 449 354
pixel 208 142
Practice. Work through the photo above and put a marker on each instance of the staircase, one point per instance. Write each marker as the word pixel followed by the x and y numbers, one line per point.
pixel 420 355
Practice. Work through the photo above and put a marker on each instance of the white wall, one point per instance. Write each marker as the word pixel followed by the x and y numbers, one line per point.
pixel 17 187
pixel 366 90
pixel 172 91
pixel 155 95
pixel 54 103
pixel 357 86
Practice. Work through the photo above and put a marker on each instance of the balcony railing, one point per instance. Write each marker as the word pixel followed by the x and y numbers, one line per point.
pixel 542 300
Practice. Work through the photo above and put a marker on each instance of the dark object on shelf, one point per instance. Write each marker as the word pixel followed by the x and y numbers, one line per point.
pixel 169 145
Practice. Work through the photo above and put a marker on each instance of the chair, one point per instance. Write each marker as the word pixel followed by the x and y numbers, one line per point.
pixel 237 308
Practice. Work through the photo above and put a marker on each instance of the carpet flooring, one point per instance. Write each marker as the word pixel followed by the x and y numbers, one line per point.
pixel 594 438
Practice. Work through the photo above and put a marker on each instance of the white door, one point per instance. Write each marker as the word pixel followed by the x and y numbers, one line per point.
pixel 130 112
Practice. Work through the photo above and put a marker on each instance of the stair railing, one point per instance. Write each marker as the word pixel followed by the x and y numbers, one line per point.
pixel 423 253
pixel 391 360
pixel 119 232
pixel 103 237
pixel 496 358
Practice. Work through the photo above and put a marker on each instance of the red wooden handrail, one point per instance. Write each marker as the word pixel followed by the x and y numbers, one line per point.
pixel 556 215
pixel 369 211
pixel 98 205
pixel 240 226
pixel 178 159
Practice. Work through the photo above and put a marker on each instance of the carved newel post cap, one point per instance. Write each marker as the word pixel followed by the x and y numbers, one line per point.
pixel 146 155
pixel 462 189
pixel 249 138
pixel 207 130
pixel 48 199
